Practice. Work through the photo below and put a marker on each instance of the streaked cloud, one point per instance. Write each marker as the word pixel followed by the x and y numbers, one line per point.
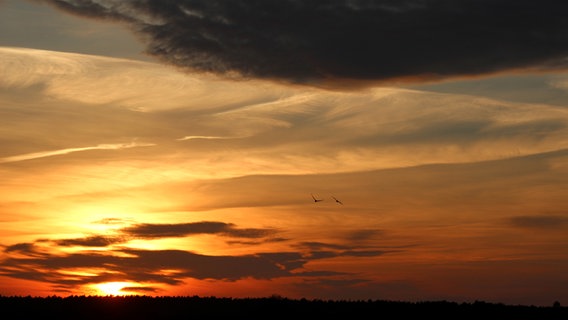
pixel 559 83
pixel 44 154
pixel 178 230
pixel 314 130
pixel 545 221
pixel 205 138
pixel 91 241
pixel 533 88
pixel 151 231
pixel 131 84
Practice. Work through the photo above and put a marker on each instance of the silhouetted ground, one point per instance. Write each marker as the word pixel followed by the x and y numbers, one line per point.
pixel 146 307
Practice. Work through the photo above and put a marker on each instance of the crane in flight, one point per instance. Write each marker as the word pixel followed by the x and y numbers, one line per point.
pixel 334 198
pixel 316 199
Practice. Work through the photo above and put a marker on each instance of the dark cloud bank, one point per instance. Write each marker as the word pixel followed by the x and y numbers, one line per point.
pixel 318 41
pixel 43 261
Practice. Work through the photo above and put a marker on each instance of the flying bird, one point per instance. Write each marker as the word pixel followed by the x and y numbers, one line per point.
pixel 315 199
pixel 337 200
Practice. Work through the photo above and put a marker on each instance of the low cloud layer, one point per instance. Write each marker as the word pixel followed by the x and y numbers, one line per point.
pixel 314 42
pixel 43 260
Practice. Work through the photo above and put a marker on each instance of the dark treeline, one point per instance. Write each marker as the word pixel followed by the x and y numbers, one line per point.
pixel 274 307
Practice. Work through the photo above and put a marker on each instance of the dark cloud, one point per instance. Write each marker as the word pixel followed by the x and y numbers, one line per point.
pixel 366 253
pixel 315 41
pixel 312 245
pixel 94 241
pixel 184 229
pixel 28 248
pixel 252 243
pixel 145 265
pixel 44 261
pixel 320 250
pixel 155 231
pixel 139 289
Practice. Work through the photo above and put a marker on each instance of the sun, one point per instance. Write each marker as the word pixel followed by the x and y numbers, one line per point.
pixel 113 288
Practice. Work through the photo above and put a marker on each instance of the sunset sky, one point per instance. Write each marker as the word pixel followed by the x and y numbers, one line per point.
pixel 162 147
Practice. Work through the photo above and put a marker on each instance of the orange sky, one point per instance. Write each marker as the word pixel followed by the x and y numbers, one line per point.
pixel 123 176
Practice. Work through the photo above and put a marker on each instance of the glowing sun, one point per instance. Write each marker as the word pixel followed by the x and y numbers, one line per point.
pixel 113 288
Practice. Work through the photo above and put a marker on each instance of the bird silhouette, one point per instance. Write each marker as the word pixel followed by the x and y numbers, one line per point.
pixel 337 200
pixel 316 199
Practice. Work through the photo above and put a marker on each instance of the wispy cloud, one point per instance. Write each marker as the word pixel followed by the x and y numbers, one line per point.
pixel 312 130
pixel 43 154
pixel 205 138
pixel 135 85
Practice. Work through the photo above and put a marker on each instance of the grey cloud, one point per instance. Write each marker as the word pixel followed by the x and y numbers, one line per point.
pixel 93 241
pixel 525 88
pixel 463 132
pixel 308 41
pixel 540 221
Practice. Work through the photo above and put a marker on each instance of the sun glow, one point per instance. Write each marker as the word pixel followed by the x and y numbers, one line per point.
pixel 113 288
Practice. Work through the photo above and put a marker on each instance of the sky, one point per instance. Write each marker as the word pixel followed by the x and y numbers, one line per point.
pixel 162 148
